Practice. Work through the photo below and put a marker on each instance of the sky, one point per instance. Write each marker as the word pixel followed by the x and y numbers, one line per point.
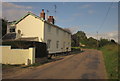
pixel 90 17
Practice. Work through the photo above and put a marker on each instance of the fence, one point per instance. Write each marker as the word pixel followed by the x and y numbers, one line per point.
pixel 17 56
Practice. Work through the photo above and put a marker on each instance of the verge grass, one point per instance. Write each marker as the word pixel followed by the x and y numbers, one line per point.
pixel 110 54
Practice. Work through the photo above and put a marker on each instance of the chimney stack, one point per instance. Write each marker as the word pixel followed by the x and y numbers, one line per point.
pixel 51 19
pixel 42 14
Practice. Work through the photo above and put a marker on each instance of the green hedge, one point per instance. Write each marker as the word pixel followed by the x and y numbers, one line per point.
pixel 75 48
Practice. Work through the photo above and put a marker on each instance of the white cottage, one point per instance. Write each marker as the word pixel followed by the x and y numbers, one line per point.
pixel 35 28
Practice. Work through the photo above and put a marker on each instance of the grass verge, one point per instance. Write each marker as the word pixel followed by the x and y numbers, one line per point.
pixel 110 53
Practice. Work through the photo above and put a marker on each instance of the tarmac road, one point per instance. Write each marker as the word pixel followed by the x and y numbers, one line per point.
pixel 86 65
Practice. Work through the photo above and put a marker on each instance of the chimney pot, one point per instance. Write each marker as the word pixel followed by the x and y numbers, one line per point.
pixel 51 19
pixel 42 14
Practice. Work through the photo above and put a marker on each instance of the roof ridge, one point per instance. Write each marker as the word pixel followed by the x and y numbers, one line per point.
pixel 30 13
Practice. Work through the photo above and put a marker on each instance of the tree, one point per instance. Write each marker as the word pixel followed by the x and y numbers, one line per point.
pixel 75 41
pixel 92 42
pixel 103 42
pixel 4 26
pixel 79 37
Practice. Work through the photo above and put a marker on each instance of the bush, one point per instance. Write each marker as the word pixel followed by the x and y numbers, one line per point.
pixel 75 48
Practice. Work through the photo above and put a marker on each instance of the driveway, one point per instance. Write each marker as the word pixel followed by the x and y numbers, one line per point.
pixel 86 65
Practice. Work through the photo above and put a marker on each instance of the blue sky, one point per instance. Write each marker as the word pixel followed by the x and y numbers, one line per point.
pixel 82 16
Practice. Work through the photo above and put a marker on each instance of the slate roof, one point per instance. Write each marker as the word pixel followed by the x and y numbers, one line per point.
pixel 27 38
pixel 9 36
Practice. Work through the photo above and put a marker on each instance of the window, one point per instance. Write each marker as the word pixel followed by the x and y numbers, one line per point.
pixel 49 28
pixel 48 43
pixel 57 44
pixel 12 29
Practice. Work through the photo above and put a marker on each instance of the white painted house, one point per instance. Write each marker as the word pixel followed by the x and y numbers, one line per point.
pixel 35 28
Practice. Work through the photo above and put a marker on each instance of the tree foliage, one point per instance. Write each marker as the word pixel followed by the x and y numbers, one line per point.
pixel 81 38
pixel 92 42
pixel 4 26
pixel 103 42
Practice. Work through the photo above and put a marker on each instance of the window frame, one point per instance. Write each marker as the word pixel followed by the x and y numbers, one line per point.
pixel 49 28
pixel 12 30
pixel 48 43
pixel 57 44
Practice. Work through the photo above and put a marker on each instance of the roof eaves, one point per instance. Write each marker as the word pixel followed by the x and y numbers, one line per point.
pixel 57 27
pixel 29 13
pixel 20 19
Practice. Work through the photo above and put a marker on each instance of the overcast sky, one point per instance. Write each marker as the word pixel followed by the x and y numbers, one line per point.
pixel 77 16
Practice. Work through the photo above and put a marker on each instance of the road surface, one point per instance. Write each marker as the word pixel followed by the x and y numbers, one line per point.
pixel 86 65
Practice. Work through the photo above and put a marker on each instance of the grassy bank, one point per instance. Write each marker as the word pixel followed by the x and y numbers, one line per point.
pixel 110 53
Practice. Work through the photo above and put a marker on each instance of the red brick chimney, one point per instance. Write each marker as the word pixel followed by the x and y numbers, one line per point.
pixel 42 14
pixel 51 19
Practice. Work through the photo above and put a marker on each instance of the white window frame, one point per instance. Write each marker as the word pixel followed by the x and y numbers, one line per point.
pixel 48 43
pixel 57 44
pixel 49 28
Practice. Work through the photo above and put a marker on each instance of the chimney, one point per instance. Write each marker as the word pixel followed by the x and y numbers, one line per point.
pixel 51 19
pixel 42 14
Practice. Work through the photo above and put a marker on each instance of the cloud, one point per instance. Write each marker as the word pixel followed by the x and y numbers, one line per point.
pixel 106 35
pixel 74 29
pixel 12 14
pixel 77 14
pixel 11 5
pixel 114 6
pixel 113 35
pixel 91 11
pixel 12 11
pixel 85 6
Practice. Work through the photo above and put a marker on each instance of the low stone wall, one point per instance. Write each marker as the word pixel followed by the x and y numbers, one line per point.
pixel 17 56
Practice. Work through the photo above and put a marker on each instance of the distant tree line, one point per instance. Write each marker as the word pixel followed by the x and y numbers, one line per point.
pixel 81 38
